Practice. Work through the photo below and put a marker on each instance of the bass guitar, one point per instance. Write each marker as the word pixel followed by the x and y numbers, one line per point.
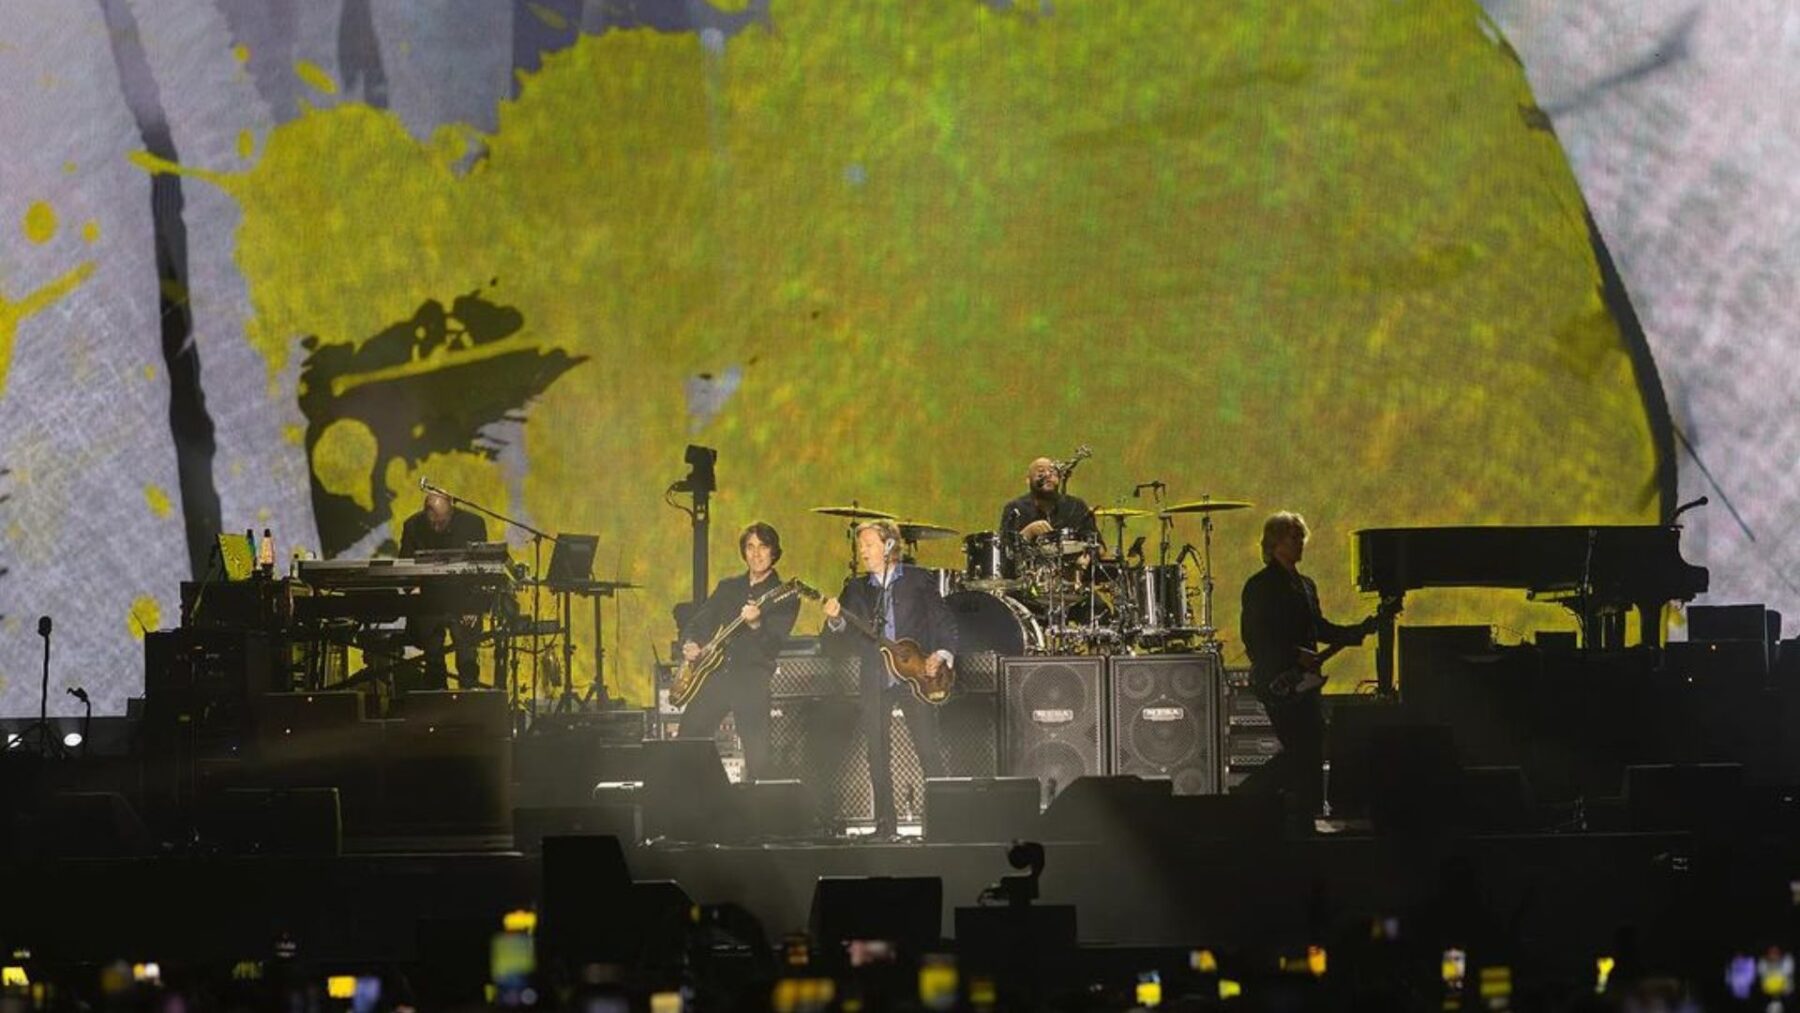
pixel 1308 673
pixel 908 662
pixel 693 673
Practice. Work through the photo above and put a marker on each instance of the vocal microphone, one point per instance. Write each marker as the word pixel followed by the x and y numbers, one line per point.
pixel 78 693
pixel 1137 491
pixel 425 484
pixel 43 626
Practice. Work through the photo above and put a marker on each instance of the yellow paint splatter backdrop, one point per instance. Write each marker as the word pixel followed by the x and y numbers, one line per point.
pixel 1322 256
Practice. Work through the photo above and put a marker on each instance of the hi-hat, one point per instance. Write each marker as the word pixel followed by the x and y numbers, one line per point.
pixel 855 513
pixel 1206 506
pixel 919 531
pixel 1121 512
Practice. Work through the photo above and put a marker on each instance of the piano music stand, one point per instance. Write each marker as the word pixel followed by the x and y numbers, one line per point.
pixel 571 569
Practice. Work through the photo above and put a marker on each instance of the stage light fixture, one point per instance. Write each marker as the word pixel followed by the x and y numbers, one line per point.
pixel 72 740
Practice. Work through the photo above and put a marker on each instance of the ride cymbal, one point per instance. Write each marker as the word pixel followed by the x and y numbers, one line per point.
pixel 1206 506
pixel 855 513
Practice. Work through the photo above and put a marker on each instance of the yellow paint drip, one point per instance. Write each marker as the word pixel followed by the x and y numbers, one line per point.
pixel 90 231
pixel 246 144
pixel 315 77
pixel 344 461
pixel 145 616
pixel 158 500
pixel 293 434
pixel 13 313
pixel 240 53
pixel 40 222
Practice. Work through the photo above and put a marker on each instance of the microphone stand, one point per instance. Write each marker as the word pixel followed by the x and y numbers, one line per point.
pixel 538 538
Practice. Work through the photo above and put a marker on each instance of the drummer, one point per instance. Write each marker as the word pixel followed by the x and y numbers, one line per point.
pixel 1045 509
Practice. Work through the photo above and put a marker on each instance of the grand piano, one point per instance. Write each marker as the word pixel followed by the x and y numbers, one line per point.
pixel 1600 571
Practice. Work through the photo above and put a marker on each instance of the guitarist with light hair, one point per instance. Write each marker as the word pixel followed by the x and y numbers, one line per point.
pixel 740 685
pixel 1282 629
pixel 894 619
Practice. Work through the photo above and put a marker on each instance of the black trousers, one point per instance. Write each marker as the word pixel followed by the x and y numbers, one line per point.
pixel 428 636
pixel 745 696
pixel 1295 772
pixel 879 701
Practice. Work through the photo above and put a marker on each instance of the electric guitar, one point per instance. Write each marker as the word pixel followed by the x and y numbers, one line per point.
pixel 1308 674
pixel 908 662
pixel 692 674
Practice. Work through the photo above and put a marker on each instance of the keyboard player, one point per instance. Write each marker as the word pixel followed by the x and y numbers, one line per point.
pixel 439 525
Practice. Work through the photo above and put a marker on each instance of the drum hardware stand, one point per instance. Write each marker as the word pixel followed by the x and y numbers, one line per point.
pixel 1209 640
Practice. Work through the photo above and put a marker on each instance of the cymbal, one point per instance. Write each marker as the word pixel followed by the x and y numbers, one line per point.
pixel 854 513
pixel 919 531
pixel 1206 506
pixel 1121 512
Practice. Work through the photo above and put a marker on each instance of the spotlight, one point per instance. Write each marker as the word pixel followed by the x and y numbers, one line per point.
pixel 72 739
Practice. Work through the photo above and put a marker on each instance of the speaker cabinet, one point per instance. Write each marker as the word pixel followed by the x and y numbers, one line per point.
pixel 1165 719
pixel 1054 727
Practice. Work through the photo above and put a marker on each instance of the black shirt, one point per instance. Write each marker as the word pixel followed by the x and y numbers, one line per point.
pixel 1065 512
pixel 1281 615
pixel 748 649
pixel 416 534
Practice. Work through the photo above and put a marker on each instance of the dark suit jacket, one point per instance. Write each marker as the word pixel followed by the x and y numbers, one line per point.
pixel 748 650
pixel 919 613
pixel 1281 614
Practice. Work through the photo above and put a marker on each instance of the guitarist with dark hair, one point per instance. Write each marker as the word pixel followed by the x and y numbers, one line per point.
pixel 1282 629
pixel 895 620
pixel 739 685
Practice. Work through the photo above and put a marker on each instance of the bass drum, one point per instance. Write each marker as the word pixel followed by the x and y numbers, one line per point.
pixel 994 622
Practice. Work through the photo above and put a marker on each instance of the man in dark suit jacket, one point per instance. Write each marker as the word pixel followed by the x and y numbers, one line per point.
pixel 1280 618
pixel 899 602
pixel 741 685
pixel 441 526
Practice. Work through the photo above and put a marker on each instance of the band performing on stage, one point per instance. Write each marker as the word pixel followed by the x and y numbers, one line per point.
pixel 1055 579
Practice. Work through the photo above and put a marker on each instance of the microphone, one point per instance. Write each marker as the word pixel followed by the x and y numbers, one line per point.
pixel 425 484
pixel 1154 485
pixel 43 626
pixel 78 693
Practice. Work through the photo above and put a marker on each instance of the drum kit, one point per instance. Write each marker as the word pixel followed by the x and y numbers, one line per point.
pixel 1069 591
